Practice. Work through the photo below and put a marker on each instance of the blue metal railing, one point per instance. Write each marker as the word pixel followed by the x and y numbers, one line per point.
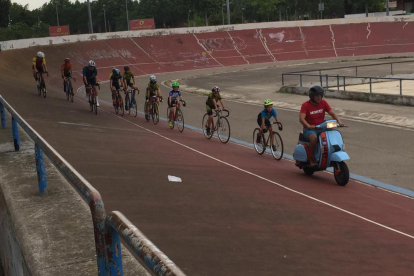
pixel 107 229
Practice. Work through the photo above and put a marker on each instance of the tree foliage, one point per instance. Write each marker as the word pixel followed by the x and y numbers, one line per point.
pixel 166 13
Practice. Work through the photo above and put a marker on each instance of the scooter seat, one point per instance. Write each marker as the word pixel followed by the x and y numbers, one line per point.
pixel 302 138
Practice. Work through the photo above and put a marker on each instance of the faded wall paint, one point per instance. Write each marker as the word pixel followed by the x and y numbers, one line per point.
pixel 26 43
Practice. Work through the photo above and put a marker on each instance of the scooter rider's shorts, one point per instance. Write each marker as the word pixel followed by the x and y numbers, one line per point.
pixel 307 132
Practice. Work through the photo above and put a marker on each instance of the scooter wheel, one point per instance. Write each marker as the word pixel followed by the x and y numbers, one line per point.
pixel 341 175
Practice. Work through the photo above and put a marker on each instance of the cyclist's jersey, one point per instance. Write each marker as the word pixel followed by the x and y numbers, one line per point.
pixel 128 77
pixel 116 80
pixel 175 94
pixel 66 68
pixel 38 62
pixel 267 115
pixel 89 74
pixel 152 88
pixel 212 97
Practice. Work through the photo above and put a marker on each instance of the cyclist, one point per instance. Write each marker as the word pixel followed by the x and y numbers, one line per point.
pixel 263 120
pixel 115 83
pixel 39 65
pixel 66 71
pixel 90 78
pixel 129 80
pixel 312 113
pixel 152 89
pixel 211 104
pixel 172 100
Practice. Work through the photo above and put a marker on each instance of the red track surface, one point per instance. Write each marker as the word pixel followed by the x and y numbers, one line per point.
pixel 235 213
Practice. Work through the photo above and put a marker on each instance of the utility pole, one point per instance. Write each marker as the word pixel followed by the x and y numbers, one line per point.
pixel 388 7
pixel 90 17
pixel 222 14
pixel 126 7
pixel 104 16
pixel 228 12
pixel 57 13
pixel 9 19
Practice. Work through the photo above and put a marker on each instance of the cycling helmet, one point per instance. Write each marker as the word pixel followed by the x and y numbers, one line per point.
pixel 153 79
pixel 215 89
pixel 92 63
pixel 268 102
pixel 315 90
pixel 126 68
pixel 40 55
pixel 116 72
pixel 67 60
pixel 175 84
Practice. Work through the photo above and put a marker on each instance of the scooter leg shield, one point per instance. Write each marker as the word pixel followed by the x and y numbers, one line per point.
pixel 300 153
pixel 339 156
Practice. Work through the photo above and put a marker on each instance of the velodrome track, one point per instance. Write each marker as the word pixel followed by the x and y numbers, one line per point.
pixel 235 213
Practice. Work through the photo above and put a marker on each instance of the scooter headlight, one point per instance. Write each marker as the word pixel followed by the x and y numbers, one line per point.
pixel 331 125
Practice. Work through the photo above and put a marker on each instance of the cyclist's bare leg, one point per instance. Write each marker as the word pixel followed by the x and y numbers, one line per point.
pixel 209 121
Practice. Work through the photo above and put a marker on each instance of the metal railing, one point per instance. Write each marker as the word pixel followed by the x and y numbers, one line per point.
pixel 107 228
pixel 338 78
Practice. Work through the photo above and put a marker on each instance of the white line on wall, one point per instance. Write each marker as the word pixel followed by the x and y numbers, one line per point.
pixel 333 40
pixel 202 46
pixel 237 48
pixel 264 43
pixel 303 37
pixel 369 30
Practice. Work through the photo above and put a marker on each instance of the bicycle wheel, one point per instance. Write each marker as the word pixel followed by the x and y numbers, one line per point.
pixel 134 108
pixel 95 105
pixel 146 111
pixel 71 94
pixel 259 147
pixel 168 118
pixel 203 127
pixel 39 88
pixel 127 101
pixel 180 120
pixel 223 130
pixel 121 106
pixel 276 146
pixel 67 91
pixel 91 101
pixel 156 114
pixel 44 90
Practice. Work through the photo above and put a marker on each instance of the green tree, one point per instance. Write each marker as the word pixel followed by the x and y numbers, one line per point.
pixel 4 11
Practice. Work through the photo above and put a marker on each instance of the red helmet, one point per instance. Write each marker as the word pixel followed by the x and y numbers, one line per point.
pixel 215 89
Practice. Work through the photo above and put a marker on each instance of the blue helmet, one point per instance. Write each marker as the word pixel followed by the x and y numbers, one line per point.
pixel 116 72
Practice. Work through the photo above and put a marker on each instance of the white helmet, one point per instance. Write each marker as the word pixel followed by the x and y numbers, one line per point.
pixel 92 63
pixel 153 79
pixel 40 55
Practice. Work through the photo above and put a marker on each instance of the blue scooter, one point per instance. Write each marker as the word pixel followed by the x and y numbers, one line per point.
pixel 330 152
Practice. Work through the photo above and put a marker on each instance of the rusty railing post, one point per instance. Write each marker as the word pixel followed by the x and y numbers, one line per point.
pixel 16 139
pixel 400 87
pixel 370 85
pixel 283 79
pixel 3 116
pixel 41 170
pixel 113 251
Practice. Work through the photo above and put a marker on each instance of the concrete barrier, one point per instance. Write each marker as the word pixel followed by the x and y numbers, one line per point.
pixel 354 96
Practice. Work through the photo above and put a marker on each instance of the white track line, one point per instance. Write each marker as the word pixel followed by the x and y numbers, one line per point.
pixel 237 48
pixel 268 180
pixel 146 53
pixel 264 43
pixel 123 58
pixel 207 52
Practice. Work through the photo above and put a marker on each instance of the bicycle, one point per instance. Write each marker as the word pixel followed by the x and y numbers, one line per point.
pixel 131 102
pixel 92 98
pixel 119 104
pixel 41 86
pixel 178 117
pixel 222 126
pixel 69 89
pixel 153 111
pixel 273 141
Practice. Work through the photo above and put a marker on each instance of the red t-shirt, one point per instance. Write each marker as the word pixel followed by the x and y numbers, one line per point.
pixel 315 114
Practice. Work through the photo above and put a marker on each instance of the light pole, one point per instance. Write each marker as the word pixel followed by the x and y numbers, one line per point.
pixel 126 7
pixel 9 19
pixel 188 18
pixel 228 12
pixel 90 17
pixel 242 14
pixel 104 16
pixel 388 7
pixel 57 13
pixel 222 14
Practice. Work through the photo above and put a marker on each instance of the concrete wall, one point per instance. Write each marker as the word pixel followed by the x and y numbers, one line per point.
pixel 26 43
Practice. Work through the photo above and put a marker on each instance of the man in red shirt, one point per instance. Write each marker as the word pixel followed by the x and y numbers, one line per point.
pixel 312 113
